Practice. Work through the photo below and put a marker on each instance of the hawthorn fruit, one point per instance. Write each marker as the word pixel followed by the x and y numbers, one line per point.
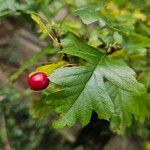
pixel 38 81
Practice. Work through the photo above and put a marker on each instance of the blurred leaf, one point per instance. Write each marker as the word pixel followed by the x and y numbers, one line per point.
pixel 147 145
pixel 8 7
pixel 11 7
pixel 120 53
pixel 139 15
pixel 44 28
pixel 94 39
pixel 87 14
pixel 135 41
pixel 144 106
pixel 72 26
pixel 117 38
pixel 145 78
pixel 40 109
pixel 90 14
pixel 105 37
pixel 144 29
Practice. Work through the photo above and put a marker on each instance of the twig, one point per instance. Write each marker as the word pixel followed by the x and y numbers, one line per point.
pixel 110 50
pixel 58 37
pixel 68 135
pixel 63 20
pixel 70 65
pixel 114 47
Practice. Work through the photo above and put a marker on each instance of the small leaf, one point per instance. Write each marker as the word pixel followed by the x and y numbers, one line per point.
pixel 94 39
pixel 117 38
pixel 87 14
pixel 48 69
pixel 43 27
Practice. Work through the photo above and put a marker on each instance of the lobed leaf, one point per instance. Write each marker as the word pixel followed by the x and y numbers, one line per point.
pixel 83 90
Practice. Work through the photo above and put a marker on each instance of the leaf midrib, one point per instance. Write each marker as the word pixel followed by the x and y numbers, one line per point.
pixel 94 68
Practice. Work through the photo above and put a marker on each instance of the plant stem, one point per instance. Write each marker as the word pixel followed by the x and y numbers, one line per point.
pixel 65 57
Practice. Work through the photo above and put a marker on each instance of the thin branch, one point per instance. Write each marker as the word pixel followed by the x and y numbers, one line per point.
pixel 51 37
pixel 58 37
pixel 113 48
pixel 63 20
pixel 68 135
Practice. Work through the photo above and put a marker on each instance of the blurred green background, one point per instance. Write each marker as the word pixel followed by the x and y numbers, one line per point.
pixel 25 120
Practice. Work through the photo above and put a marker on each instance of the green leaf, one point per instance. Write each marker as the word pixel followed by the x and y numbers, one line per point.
pixel 90 14
pixel 117 38
pixel 80 48
pixel 145 30
pixel 94 39
pixel 125 106
pixel 135 41
pixel 49 68
pixel 93 56
pixel 144 106
pixel 71 26
pixel 87 14
pixel 7 7
pixel 114 25
pixel 105 37
pixel 32 61
pixel 145 78
pixel 40 109
pixel 44 28
pixel 83 89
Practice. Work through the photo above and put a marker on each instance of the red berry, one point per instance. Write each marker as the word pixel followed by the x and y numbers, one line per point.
pixel 38 81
